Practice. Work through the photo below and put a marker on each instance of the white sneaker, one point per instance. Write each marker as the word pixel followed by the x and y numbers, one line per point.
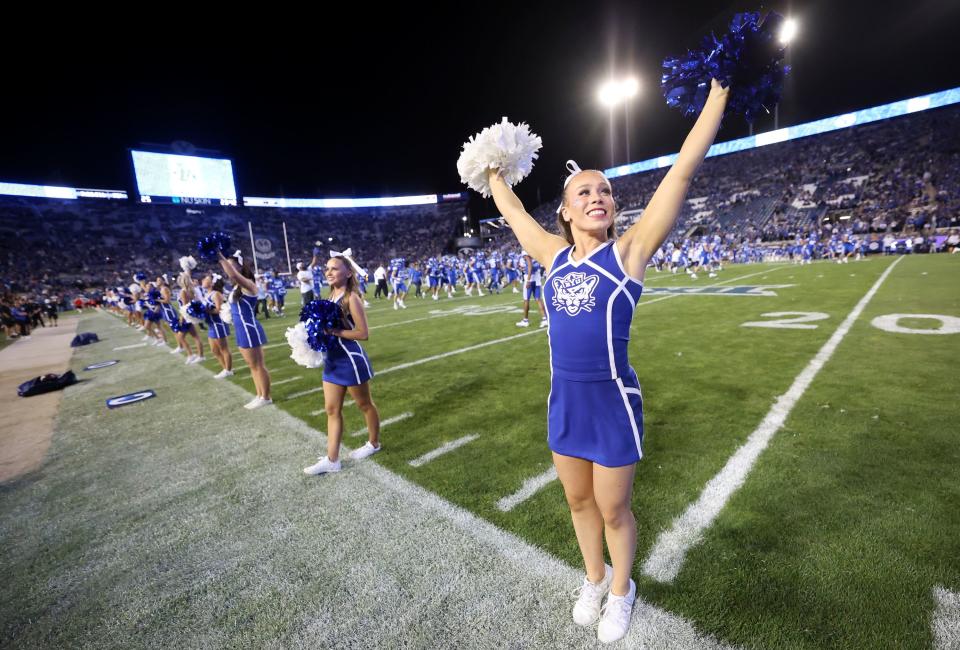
pixel 523 323
pixel 223 374
pixel 615 616
pixel 146 337
pixel 693 276
pixel 176 350
pixel 712 275
pixel 364 451
pixel 252 404
pixel 515 290
pixel 323 466
pixel 258 403
pixel 197 359
pixel 366 304
pixel 190 359
pixel 395 306
pixel 160 344
pixel 586 611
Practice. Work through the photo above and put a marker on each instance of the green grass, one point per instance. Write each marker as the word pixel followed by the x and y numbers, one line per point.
pixel 842 529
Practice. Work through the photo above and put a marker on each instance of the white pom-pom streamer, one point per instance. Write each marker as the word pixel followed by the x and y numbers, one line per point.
pixel 511 148
pixel 300 350
pixel 225 314
pixel 187 263
pixel 187 317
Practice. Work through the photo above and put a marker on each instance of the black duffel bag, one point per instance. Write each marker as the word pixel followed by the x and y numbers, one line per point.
pixel 84 339
pixel 46 384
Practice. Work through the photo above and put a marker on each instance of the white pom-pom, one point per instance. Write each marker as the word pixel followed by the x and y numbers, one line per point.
pixel 300 350
pixel 225 314
pixel 511 148
pixel 188 263
pixel 187 317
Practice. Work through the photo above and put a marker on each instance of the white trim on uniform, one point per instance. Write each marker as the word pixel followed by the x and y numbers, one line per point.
pixel 356 373
pixel 616 254
pixel 631 415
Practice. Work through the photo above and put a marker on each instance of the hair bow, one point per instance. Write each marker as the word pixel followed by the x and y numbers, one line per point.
pixel 348 255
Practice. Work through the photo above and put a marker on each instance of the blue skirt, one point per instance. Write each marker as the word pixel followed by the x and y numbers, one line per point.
pixel 599 421
pixel 346 364
pixel 217 329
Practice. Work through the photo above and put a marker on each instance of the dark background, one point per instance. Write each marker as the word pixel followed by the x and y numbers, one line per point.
pixel 372 101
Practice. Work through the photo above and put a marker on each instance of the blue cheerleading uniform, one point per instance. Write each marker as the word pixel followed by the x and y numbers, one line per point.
pixel 216 328
pixel 595 408
pixel 247 328
pixel 346 363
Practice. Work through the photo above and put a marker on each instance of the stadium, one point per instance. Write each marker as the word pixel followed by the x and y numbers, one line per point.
pixel 793 333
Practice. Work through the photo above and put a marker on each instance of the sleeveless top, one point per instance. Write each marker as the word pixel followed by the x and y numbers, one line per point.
pixel 590 304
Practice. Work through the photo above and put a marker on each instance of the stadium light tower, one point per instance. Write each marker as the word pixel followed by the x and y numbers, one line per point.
pixel 788 32
pixel 610 94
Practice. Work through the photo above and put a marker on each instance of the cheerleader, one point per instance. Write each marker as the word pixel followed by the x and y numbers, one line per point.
pixel 171 317
pixel 346 368
pixel 248 330
pixel 188 293
pixel 595 408
pixel 218 332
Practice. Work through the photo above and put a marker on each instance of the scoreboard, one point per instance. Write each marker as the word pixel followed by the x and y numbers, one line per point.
pixel 189 180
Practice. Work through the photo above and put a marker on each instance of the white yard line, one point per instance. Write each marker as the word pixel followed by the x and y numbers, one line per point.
pixel 284 381
pixel 442 449
pixel 130 347
pixel 668 553
pixel 530 487
pixel 345 405
pixel 383 423
pixel 945 622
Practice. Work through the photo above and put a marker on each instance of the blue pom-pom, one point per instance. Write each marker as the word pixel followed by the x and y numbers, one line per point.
pixel 209 246
pixel 197 310
pixel 140 276
pixel 153 295
pixel 319 315
pixel 748 59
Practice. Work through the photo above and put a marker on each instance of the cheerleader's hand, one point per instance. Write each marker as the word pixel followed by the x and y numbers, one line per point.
pixel 332 332
pixel 718 90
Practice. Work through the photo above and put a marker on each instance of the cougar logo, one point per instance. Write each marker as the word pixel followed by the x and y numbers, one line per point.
pixel 574 292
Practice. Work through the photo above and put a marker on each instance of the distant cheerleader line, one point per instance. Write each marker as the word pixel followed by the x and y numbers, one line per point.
pixel 865 116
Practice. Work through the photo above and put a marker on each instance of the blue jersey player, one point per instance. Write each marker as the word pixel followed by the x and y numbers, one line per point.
pixel 594 411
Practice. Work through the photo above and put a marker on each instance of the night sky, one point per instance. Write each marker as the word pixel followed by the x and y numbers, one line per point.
pixel 378 101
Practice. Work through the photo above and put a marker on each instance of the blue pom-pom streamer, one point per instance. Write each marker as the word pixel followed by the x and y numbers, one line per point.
pixel 748 59
pixel 140 276
pixel 319 315
pixel 153 295
pixel 197 310
pixel 209 246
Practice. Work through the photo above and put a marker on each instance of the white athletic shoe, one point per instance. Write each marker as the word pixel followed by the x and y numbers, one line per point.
pixel 586 611
pixel 712 275
pixel 543 323
pixel 364 451
pixel 366 304
pixel 515 290
pixel 395 306
pixel 190 359
pixel 523 323
pixel 252 404
pixel 257 403
pixel 223 374
pixel 176 351
pixel 693 276
pixel 323 466
pixel 146 337
pixel 199 359
pixel 615 616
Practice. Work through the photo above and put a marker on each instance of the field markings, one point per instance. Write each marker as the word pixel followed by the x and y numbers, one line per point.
pixel 434 532
pixel 530 487
pixel 285 381
pixel 396 418
pixel 442 449
pixel 672 545
pixel 130 347
pixel 945 622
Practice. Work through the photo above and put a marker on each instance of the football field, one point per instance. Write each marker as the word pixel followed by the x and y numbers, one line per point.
pixel 800 486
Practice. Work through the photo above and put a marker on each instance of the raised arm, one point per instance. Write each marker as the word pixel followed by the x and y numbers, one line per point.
pixel 641 241
pixel 542 245
pixel 234 274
